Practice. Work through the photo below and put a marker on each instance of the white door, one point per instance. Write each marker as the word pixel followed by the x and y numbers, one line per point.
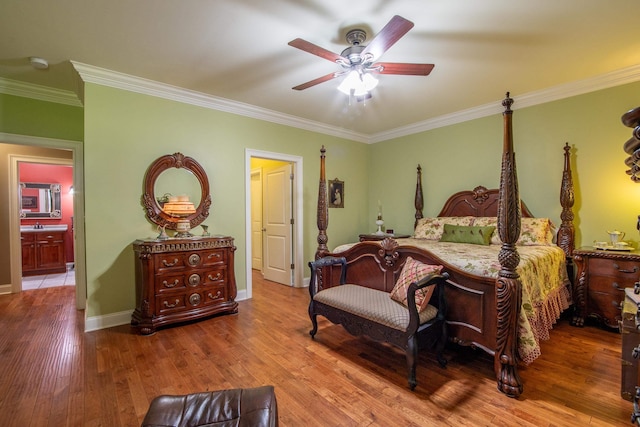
pixel 256 219
pixel 277 223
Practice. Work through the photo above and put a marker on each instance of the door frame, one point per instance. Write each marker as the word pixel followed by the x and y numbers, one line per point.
pixel 15 252
pixel 298 250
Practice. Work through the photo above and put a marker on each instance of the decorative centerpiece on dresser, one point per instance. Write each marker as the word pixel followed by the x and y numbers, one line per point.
pixel 185 277
pixel 602 277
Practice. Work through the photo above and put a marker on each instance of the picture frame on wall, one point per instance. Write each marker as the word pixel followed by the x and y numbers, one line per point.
pixel 336 193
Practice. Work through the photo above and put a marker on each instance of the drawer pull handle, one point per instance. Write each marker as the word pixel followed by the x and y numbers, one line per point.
pixel 216 296
pixel 622 270
pixel 166 304
pixel 170 264
pixel 170 285
pixel 194 279
pixel 217 277
pixel 194 259
pixel 214 255
pixel 615 285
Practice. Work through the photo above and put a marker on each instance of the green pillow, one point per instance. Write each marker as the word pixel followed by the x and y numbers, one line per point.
pixel 467 234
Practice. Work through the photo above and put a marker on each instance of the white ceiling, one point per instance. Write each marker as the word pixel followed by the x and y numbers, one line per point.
pixel 237 50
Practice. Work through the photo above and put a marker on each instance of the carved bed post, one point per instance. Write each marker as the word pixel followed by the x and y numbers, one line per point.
pixel 508 285
pixel 566 233
pixel 323 214
pixel 418 201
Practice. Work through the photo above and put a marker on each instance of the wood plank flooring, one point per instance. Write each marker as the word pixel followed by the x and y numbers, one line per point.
pixel 54 374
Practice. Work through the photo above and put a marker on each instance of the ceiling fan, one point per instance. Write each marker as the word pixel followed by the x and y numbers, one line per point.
pixel 358 61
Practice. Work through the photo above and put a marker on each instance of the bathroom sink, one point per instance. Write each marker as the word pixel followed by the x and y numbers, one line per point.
pixel 30 228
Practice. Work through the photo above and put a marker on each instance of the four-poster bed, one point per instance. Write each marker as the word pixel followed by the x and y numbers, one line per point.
pixel 483 310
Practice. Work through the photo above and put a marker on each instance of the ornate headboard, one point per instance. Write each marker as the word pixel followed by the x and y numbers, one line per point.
pixel 477 202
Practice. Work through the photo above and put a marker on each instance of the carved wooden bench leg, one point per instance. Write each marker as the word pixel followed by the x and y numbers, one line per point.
pixel 412 357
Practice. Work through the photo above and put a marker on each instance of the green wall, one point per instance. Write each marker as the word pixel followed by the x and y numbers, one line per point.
pixel 25 116
pixel 462 156
pixel 125 132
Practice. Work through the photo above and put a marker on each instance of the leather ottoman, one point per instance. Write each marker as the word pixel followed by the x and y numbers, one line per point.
pixel 255 407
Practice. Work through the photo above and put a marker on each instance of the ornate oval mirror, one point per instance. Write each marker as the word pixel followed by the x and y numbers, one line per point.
pixel 154 195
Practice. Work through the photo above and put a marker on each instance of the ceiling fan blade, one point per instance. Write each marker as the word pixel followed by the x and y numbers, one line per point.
pixel 404 68
pixel 315 82
pixel 391 33
pixel 315 50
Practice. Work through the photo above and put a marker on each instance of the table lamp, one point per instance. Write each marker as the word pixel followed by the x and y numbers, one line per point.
pixel 180 207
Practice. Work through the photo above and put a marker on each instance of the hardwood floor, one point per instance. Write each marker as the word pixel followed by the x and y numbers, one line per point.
pixel 54 374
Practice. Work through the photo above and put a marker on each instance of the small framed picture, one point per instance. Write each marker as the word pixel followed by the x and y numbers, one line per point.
pixel 336 193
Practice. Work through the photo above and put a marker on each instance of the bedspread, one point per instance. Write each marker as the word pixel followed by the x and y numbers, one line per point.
pixel 545 283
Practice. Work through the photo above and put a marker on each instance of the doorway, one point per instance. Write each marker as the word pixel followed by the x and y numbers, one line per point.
pixel 295 226
pixel 15 250
pixel 272 219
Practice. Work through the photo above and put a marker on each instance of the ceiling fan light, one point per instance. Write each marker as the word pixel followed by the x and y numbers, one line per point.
pixel 351 82
pixel 361 90
pixel 357 84
pixel 369 81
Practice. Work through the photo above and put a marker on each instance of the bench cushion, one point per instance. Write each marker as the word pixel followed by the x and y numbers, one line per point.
pixel 371 304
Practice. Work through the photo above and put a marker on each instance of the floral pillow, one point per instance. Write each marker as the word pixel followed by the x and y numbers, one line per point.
pixel 414 271
pixel 489 221
pixel 432 228
pixel 536 232
pixel 533 231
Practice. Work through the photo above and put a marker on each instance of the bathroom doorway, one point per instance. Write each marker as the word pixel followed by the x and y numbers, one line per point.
pixel 30 149
pixel 46 222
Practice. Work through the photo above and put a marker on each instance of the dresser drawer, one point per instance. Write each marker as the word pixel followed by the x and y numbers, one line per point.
pixel 608 305
pixel 620 269
pixel 610 285
pixel 214 257
pixel 170 283
pixel 170 303
pixel 215 294
pixel 216 275
pixel 170 262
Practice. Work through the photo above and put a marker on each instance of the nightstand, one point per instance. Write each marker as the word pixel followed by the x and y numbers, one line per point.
pixel 374 237
pixel 600 283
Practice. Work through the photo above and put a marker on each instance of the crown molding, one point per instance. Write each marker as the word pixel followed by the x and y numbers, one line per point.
pixel 39 92
pixel 555 93
pixel 104 77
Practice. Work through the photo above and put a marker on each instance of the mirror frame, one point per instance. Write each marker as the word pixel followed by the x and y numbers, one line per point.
pixel 154 212
pixel 55 213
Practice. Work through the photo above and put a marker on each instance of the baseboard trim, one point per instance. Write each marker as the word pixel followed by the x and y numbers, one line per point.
pixel 96 323
pixel 107 321
pixel 5 289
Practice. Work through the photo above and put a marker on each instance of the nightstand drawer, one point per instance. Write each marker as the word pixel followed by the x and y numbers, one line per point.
pixel 623 269
pixel 610 285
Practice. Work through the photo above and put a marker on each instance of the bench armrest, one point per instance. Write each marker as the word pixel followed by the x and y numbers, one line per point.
pixel 437 280
pixel 319 264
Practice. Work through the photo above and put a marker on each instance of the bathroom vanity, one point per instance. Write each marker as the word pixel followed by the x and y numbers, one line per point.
pixel 43 250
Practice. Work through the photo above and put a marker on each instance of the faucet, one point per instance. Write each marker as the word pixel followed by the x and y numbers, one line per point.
pixel 38 225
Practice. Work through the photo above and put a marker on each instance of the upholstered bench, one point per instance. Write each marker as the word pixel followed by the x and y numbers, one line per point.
pixel 365 311
pixel 250 407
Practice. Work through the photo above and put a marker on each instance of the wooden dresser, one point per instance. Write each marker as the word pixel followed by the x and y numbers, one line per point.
pixel 43 252
pixel 179 280
pixel 600 283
